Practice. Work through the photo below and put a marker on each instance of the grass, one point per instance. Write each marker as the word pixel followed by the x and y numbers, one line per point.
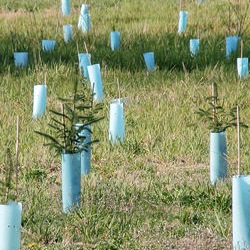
pixel 153 191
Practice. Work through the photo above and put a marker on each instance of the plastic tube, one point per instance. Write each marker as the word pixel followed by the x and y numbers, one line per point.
pixel 242 67
pixel 218 157
pixel 149 60
pixel 65 7
pixel 115 40
pixel 116 122
pixel 84 62
pixel 67 32
pixel 48 45
pixel 241 212
pixel 39 100
pixel 71 181
pixel 10 226
pixel 194 46
pixel 95 78
pixel 231 44
pixel 182 21
pixel 21 59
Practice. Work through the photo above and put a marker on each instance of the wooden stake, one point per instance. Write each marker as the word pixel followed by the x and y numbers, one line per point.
pixel 85 45
pixel 8 173
pixel 86 48
pixel 197 24
pixel 238 134
pixel 77 48
pixel 119 91
pixel 58 23
pixel 213 72
pixel 184 68
pixel 17 151
pixel 45 76
pixel 239 21
pixel 213 100
pixel 241 48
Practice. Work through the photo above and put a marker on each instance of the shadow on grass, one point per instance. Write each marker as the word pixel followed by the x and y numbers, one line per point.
pixel 171 52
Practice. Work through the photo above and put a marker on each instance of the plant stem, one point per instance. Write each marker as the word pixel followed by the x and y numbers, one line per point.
pixel 63 122
pixel 214 99
pixel 77 47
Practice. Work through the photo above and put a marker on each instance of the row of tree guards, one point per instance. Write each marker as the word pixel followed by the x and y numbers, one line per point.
pixel 84 23
pixel 232 42
pixel 21 58
pixel 79 165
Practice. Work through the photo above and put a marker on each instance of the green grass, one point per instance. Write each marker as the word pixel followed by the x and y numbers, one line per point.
pixel 153 191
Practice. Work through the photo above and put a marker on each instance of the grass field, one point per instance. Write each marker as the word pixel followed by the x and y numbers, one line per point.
pixel 153 191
